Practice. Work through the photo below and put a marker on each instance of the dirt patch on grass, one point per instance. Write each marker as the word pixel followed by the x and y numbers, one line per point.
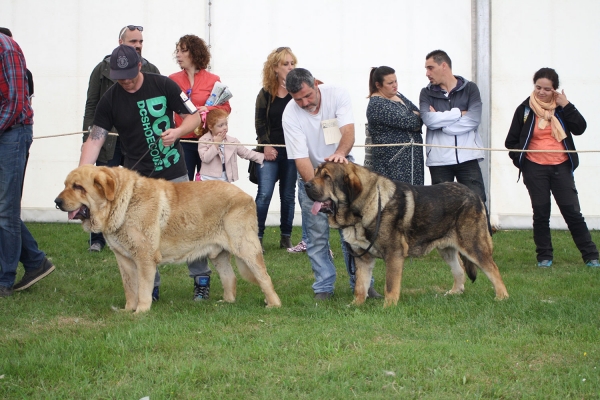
pixel 62 321
pixel 54 324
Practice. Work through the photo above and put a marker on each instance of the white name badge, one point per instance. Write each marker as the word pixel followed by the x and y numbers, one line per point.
pixel 188 103
pixel 331 130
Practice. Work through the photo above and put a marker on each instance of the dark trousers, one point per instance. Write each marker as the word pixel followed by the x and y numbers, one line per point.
pixel 468 173
pixel 541 180
pixel 192 158
pixel 114 162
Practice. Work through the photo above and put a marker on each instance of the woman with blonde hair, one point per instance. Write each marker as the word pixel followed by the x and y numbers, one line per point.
pixel 270 103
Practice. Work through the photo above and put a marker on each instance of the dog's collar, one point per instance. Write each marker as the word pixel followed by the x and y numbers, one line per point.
pixel 377 225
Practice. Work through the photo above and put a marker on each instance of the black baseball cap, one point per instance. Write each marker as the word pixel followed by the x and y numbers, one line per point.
pixel 124 63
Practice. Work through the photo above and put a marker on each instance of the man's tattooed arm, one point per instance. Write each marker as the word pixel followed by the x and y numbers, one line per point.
pixel 91 148
pixel 97 133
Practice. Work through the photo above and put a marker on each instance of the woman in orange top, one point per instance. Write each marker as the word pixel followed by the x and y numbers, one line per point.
pixel 546 121
pixel 193 57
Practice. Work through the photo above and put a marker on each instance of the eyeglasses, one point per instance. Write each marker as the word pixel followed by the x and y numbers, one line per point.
pixel 280 49
pixel 131 28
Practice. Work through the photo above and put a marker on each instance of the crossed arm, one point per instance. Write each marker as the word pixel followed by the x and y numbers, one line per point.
pixel 453 121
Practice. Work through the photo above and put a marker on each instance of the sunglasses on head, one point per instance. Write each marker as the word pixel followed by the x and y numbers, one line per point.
pixel 131 28
pixel 280 49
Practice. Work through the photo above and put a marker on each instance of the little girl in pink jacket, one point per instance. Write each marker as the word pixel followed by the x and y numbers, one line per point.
pixel 219 161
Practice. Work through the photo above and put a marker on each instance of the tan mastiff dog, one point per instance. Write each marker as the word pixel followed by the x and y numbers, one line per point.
pixel 148 222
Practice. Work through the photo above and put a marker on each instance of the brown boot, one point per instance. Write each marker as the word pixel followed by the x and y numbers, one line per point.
pixel 285 242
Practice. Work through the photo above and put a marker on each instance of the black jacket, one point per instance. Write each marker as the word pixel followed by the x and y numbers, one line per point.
pixel 521 130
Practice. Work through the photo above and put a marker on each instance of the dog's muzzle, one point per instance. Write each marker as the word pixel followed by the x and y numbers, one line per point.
pixel 81 213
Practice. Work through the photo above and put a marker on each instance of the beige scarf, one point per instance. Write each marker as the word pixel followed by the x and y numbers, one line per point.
pixel 545 114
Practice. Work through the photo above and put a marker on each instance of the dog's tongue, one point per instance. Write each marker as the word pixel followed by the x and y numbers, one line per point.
pixel 72 214
pixel 315 208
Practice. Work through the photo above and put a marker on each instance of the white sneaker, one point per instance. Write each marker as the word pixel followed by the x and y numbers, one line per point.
pixel 299 248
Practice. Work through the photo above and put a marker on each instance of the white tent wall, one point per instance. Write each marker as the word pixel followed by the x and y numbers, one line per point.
pixel 63 41
pixel 337 40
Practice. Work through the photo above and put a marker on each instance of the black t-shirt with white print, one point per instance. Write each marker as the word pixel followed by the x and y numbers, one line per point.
pixel 140 118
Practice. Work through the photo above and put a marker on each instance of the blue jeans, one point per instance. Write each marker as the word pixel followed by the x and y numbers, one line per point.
pixel 316 228
pixel 284 170
pixel 192 158
pixel 16 242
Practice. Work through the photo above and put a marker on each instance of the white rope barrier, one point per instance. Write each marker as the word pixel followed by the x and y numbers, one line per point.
pixel 355 145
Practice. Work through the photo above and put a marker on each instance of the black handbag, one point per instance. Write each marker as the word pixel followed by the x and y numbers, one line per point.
pixel 252 165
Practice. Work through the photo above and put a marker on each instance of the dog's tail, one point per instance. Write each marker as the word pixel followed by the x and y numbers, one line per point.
pixel 470 268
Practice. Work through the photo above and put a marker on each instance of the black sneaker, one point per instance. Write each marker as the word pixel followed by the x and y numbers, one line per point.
pixel 323 296
pixel 201 287
pixel 34 276
pixel 95 247
pixel 156 293
pixel 372 294
pixel 5 291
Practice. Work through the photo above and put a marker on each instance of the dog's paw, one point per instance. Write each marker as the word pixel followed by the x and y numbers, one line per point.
pixel 274 305
pixel 390 303
pixel 358 300
pixel 454 291
pixel 120 310
pixel 272 300
pixel 501 297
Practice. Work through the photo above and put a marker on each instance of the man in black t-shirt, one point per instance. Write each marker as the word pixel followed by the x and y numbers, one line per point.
pixel 110 154
pixel 141 107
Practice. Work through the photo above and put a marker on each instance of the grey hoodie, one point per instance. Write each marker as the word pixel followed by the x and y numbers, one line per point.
pixel 446 126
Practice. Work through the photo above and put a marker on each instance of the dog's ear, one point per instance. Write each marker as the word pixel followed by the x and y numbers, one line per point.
pixel 105 182
pixel 353 183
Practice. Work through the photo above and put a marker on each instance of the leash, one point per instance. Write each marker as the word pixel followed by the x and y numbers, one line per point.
pixel 377 226
pixel 412 159
pixel 142 157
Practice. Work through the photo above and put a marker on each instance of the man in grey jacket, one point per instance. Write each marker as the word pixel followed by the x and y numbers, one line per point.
pixel 100 81
pixel 450 107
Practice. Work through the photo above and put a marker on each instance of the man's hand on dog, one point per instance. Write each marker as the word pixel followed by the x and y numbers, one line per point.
pixel 337 158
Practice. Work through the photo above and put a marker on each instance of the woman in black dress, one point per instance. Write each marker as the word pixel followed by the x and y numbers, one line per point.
pixel 392 118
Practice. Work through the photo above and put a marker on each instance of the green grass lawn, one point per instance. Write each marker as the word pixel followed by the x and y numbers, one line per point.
pixel 61 338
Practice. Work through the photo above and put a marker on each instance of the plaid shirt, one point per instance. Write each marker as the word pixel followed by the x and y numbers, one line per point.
pixel 15 107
